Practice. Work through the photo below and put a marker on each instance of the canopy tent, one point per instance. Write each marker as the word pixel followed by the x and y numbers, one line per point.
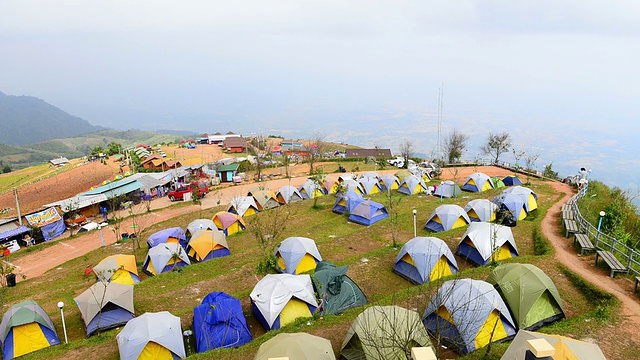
pixel 298 346
pixel 26 328
pixel 337 291
pixel 197 225
pixel 368 212
pixel 529 293
pixel 484 242
pixel 105 306
pixel 529 196
pixel 297 255
pixel 164 258
pixel 311 189
pixel 172 235
pixel 219 323
pixel 229 223
pixel 447 189
pixel 121 269
pixel 279 299
pixel 425 259
pixel 389 182
pixel 152 336
pixel 566 348
pixel 468 315
pixel 207 244
pixel 412 185
pixel 384 332
pixel 447 217
pixel 266 199
pixel 477 182
pixel 512 203
pixel 369 185
pixel 511 180
pixel 481 210
pixel 346 201
pixel 288 194
pixel 244 206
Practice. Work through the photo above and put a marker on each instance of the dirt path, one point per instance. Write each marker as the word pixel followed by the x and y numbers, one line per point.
pixel 584 266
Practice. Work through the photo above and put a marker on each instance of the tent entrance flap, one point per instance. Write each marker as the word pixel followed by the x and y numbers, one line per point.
pixel 440 269
pixel 155 351
pixel 28 338
pixel 492 330
pixel 294 309
pixel 545 307
pixel 307 263
pixel 502 253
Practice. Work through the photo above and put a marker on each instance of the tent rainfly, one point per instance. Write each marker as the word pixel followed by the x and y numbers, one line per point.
pixel 566 348
pixel 197 225
pixel 298 346
pixel 346 201
pixel 412 185
pixel 384 332
pixel 447 217
pixel 468 315
pixel 118 268
pixel 26 328
pixel 152 336
pixel 311 189
pixel 369 185
pixel 219 323
pixel 244 206
pixel 266 199
pixel 389 182
pixel 337 291
pixel 207 244
pixel 288 194
pixel 172 235
pixel 229 223
pixel 481 210
pixel 367 212
pixel 447 189
pixel 477 182
pixel 483 242
pixel 105 306
pixel 297 255
pixel 425 259
pixel 165 258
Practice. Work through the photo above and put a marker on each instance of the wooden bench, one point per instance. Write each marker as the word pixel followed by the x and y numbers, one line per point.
pixel 584 242
pixel 614 264
pixel 567 214
pixel 571 227
pixel 635 284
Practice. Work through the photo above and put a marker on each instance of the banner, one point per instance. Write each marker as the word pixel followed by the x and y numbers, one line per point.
pixel 43 218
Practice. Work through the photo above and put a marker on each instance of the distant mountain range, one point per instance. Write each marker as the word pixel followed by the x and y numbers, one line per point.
pixel 33 131
pixel 27 120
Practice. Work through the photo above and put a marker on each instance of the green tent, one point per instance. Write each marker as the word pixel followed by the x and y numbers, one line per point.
pixel 529 293
pixel 384 333
pixel 497 182
pixel 336 291
pixel 300 346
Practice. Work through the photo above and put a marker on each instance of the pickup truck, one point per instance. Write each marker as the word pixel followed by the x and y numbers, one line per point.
pixel 198 188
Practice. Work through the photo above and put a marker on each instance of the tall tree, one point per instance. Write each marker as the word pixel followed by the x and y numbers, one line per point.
pixel 496 145
pixel 454 145
pixel 406 150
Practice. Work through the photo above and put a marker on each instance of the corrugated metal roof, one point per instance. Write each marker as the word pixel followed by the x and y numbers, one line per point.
pixel 230 167
pixel 109 187
pixel 78 202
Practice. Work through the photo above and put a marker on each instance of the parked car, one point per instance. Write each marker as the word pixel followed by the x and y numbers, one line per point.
pixel 199 189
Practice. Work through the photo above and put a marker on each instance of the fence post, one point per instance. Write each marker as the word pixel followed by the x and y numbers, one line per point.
pixel 631 251
pixel 613 245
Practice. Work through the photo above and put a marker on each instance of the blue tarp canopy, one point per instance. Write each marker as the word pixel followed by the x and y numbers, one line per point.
pixel 219 323
pixel 11 233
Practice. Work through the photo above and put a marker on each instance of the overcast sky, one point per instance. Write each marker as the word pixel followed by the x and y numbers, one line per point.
pixel 566 72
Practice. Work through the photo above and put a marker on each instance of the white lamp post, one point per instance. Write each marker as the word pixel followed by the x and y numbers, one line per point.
pixel 415 229
pixel 441 190
pixel 602 214
pixel 64 327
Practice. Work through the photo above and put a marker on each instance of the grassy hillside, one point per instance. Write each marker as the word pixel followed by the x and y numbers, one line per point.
pixel 338 241
pixel 34 154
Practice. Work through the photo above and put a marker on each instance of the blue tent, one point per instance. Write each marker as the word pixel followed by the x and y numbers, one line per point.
pixel 175 235
pixel 367 212
pixel 346 202
pixel 511 180
pixel 219 323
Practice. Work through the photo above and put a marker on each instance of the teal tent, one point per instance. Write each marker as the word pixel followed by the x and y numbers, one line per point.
pixel 336 291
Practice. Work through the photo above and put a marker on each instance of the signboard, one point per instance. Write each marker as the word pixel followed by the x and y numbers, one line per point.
pixel 43 218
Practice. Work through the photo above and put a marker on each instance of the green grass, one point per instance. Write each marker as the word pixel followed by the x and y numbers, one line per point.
pixel 338 241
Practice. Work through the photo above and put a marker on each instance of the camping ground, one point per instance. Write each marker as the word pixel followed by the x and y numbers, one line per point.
pixel 590 314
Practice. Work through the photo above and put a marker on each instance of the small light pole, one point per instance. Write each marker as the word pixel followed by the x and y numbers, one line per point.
pixel 441 190
pixel 602 214
pixel 415 229
pixel 101 237
pixel 64 327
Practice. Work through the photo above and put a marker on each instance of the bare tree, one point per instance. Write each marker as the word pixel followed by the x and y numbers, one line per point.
pixel 496 145
pixel 455 145
pixel 406 150
pixel 530 164
pixel 315 154
pixel 267 228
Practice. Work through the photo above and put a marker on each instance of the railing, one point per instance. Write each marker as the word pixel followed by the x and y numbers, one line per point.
pixel 602 241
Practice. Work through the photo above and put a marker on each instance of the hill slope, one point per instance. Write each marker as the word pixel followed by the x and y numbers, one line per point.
pixel 27 120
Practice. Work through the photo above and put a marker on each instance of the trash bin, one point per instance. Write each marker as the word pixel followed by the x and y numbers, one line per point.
pixel 11 280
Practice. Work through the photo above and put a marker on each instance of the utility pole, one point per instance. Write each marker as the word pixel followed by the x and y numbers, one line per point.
pixel 15 193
